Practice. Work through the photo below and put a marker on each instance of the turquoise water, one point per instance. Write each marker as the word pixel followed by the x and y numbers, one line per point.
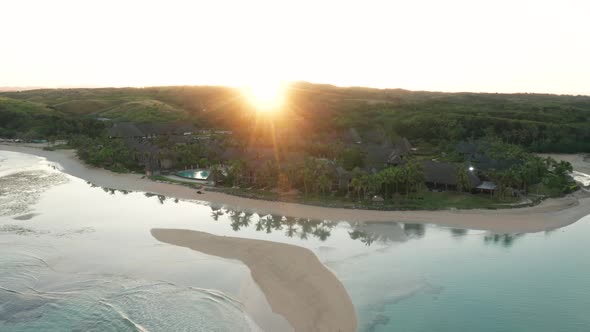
pixel 194 174
pixel 95 266
pixel 472 281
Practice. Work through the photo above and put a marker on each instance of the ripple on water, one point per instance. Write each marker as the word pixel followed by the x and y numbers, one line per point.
pixel 18 191
pixel 18 230
pixel 36 298
pixel 27 216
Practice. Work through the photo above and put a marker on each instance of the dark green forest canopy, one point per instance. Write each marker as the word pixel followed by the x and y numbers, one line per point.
pixel 539 122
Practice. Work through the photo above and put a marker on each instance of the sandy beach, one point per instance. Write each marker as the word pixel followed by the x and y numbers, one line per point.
pixel 580 162
pixel 296 284
pixel 550 214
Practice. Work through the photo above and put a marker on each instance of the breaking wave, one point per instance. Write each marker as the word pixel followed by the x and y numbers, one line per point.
pixel 36 297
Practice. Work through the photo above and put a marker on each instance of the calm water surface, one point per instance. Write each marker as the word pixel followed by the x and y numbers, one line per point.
pixel 78 257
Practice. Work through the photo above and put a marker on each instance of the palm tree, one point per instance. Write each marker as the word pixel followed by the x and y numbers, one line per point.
pixel 236 171
pixel 323 183
pixel 391 178
pixel 414 176
pixel 269 172
pixel 356 184
pixel 307 177
pixel 463 183
pixel 374 183
pixel 215 173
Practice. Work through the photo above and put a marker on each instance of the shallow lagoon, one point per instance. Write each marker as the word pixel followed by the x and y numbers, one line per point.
pixel 72 254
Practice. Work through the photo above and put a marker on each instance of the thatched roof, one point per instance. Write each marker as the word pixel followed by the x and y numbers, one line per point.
pixel 351 136
pixel 487 185
pixel 446 173
pixel 376 156
pixel 232 154
pixel 377 198
pixel 183 128
pixel 341 173
pixel 124 129
pixel 379 156
pixel 403 146
pixel 467 148
pixel 149 129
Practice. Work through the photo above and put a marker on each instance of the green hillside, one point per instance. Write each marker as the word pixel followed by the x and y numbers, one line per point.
pixel 32 120
pixel 147 110
pixel 539 122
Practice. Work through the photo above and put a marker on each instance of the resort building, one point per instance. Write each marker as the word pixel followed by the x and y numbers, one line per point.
pixel 443 175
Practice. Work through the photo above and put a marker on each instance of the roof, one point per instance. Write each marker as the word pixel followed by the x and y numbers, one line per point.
pixel 446 173
pixel 149 129
pixel 294 157
pixel 351 136
pixel 487 185
pixel 232 154
pixel 477 153
pixel 142 146
pixel 342 173
pixel 124 129
pixel 182 128
pixel 466 147
pixel 403 146
pixel 378 156
pixel 377 198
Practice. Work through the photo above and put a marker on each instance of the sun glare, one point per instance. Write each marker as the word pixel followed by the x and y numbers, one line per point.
pixel 265 96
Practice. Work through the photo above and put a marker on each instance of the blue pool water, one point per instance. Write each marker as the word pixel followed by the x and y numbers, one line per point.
pixel 196 174
pixel 96 265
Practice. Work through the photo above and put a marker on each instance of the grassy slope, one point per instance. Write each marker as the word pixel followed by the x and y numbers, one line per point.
pixel 27 118
pixel 146 110
pixel 22 106
pixel 320 109
pixel 127 104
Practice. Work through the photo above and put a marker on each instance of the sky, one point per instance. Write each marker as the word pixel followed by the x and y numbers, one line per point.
pixel 455 45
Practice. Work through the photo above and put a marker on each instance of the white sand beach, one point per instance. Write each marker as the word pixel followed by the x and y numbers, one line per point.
pixel 301 288
pixel 296 284
pixel 550 214
pixel 580 163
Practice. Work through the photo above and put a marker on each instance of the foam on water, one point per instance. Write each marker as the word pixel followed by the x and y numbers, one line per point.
pixel 36 297
pixel 582 178
pixel 44 286
pixel 95 266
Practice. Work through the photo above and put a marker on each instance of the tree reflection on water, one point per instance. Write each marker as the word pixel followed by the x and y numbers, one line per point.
pixel 302 228
pixel 505 240
pixel 415 230
pixel 367 233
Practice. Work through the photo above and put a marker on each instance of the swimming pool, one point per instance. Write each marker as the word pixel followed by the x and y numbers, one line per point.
pixel 197 174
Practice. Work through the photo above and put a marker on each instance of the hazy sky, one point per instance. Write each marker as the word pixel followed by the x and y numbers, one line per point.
pixel 453 45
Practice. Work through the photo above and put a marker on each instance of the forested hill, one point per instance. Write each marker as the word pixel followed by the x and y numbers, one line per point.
pixel 540 122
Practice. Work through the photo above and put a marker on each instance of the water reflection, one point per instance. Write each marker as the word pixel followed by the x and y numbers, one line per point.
pixel 363 236
pixel 161 198
pixel 305 228
pixel 415 230
pixel 302 228
pixel 458 232
pixel 505 240
pixel 367 233
pixel 111 191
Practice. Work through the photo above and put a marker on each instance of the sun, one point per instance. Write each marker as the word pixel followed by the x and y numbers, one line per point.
pixel 265 96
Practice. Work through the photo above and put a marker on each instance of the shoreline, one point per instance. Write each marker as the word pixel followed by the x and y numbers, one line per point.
pixel 296 284
pixel 550 214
